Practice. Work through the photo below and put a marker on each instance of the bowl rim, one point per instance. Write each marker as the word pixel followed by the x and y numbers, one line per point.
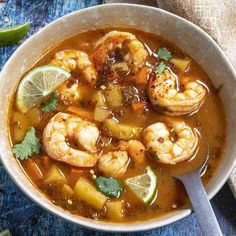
pixel 102 225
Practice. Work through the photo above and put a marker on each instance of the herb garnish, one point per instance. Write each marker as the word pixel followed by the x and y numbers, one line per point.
pixel 52 104
pixel 164 54
pixel 161 67
pixel 110 187
pixel 29 146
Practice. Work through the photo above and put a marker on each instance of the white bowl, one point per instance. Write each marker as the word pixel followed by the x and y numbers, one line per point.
pixel 186 35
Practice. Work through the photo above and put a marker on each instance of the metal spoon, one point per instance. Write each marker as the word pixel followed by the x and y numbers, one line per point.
pixel 200 202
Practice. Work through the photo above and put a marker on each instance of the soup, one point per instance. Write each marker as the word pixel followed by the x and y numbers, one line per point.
pixel 103 122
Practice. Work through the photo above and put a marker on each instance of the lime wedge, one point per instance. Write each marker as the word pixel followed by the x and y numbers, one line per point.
pixel 5 232
pixel 38 84
pixel 13 34
pixel 144 186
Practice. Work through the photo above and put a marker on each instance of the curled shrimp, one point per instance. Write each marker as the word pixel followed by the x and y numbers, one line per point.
pixel 64 126
pixel 157 138
pixel 71 60
pixel 115 163
pixel 132 50
pixel 163 94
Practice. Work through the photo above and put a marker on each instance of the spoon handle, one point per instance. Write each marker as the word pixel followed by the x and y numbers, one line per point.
pixel 200 203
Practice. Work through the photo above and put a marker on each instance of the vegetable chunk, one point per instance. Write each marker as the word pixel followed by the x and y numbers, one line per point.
pixel 55 175
pixel 122 131
pixel 181 64
pixel 89 194
pixel 114 96
pixel 115 209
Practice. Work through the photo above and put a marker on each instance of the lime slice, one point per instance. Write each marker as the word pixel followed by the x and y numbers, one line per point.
pixel 13 34
pixel 144 186
pixel 38 84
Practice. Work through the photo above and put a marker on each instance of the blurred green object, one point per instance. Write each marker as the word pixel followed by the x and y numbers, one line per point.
pixel 5 232
pixel 13 34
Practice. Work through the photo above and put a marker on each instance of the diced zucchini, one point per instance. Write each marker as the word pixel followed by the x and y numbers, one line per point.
pixel 120 67
pixel 89 194
pixel 181 64
pixel 122 131
pixel 114 96
pixel 115 209
pixel 67 191
pixel 101 113
pixel 99 98
pixel 55 175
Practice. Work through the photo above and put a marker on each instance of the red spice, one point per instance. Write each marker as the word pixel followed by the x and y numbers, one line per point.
pixel 160 140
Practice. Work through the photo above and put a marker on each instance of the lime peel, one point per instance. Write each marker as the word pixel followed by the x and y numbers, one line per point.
pixel 144 186
pixel 13 34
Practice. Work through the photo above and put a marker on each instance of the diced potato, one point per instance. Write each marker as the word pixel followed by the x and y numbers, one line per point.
pixel 122 131
pixel 34 116
pixel 99 98
pixel 67 191
pixel 181 64
pixel 89 194
pixel 55 175
pixel 101 113
pixel 21 126
pixel 114 96
pixel 18 133
pixel 142 76
pixel 81 112
pixel 115 209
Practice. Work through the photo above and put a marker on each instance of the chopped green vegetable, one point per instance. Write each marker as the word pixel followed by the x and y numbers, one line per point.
pixel 161 67
pixel 130 94
pixel 52 104
pixel 29 146
pixel 164 54
pixel 110 187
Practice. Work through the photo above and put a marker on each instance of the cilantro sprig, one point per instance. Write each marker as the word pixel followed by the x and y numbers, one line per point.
pixel 110 187
pixel 161 67
pixel 164 55
pixel 52 104
pixel 29 146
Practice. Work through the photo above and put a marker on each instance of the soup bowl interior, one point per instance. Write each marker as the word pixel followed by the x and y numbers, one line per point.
pixel 184 34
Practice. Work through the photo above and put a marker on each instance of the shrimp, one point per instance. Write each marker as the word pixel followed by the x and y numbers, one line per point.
pixel 115 163
pixel 64 126
pixel 163 94
pixel 157 139
pixel 69 60
pixel 131 49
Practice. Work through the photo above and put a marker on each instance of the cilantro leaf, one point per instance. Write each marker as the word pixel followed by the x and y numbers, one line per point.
pixel 52 104
pixel 161 67
pixel 164 54
pixel 29 146
pixel 110 187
